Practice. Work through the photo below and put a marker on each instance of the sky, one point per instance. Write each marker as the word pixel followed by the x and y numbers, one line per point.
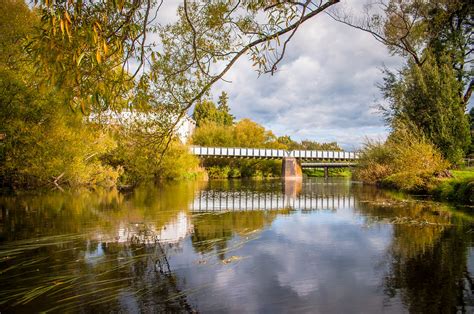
pixel 325 89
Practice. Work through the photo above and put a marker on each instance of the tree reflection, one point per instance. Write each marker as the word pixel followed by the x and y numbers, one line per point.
pixel 107 251
pixel 212 231
pixel 428 255
pixel 69 251
pixel 432 279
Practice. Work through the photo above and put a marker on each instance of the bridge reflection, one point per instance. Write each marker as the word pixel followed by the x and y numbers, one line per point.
pixel 295 195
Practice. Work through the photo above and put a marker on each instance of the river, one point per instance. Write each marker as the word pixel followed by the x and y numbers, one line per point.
pixel 318 246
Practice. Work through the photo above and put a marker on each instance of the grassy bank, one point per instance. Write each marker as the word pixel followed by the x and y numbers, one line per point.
pixel 459 188
pixel 346 173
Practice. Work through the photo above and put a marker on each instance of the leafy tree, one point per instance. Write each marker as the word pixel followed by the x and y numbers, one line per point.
pixel 471 119
pixel 143 163
pixel 206 112
pixel 312 145
pixel 250 134
pixel 16 21
pixel 223 108
pixel 432 91
pixel 87 47
pixel 213 134
pixel 428 98
pixel 45 142
pixel 287 142
pixel 406 161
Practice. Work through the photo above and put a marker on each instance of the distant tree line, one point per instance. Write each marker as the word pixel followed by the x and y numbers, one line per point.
pixel 217 127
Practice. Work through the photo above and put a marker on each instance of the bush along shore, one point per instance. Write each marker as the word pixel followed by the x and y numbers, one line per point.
pixel 409 162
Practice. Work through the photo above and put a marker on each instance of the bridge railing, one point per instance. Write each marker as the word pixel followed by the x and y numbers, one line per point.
pixel 272 153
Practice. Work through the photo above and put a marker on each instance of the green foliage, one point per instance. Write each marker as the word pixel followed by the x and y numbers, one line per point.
pixel 336 172
pixel 248 133
pixel 206 112
pixel 407 161
pixel 245 133
pixel 178 164
pixel 312 145
pixel 460 188
pixel 143 162
pixel 16 21
pixel 289 144
pixel 216 172
pixel 427 98
pixel 45 142
pixel 286 142
pixel 212 134
pixel 223 107
pixel 471 119
pixel 83 47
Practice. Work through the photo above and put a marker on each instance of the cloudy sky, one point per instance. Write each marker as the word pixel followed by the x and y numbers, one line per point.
pixel 325 89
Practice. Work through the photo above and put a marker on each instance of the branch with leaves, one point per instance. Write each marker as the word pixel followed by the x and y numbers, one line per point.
pixel 86 47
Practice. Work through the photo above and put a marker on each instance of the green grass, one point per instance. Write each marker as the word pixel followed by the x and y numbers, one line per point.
pixel 332 172
pixel 467 173
pixel 459 188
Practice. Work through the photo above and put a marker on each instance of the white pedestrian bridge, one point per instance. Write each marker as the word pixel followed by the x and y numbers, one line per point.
pixel 264 153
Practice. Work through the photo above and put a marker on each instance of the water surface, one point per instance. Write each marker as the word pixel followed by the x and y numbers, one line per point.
pixel 235 246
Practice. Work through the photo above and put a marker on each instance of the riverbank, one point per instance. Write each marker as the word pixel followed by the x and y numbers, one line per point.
pixel 459 188
pixel 319 173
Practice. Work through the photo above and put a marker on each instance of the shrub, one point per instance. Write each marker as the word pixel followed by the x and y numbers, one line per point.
pixel 145 162
pixel 375 163
pixel 407 161
pixel 217 172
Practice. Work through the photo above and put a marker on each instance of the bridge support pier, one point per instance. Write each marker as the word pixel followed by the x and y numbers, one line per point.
pixel 326 172
pixel 291 169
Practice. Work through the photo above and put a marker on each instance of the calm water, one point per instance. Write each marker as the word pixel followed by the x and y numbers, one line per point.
pixel 235 246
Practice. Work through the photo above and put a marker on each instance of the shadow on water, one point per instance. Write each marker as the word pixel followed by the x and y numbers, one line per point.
pixel 234 246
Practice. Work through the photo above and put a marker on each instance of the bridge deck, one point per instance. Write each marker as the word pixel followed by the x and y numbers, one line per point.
pixel 242 152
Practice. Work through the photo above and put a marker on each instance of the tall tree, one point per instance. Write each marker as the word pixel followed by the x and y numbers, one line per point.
pixel 224 108
pixel 42 142
pixel 428 98
pixel 471 119
pixel 204 112
pixel 432 91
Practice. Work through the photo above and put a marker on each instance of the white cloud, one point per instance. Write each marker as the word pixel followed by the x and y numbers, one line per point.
pixel 325 88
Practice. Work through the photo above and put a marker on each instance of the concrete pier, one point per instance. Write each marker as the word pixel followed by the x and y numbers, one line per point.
pixel 291 169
